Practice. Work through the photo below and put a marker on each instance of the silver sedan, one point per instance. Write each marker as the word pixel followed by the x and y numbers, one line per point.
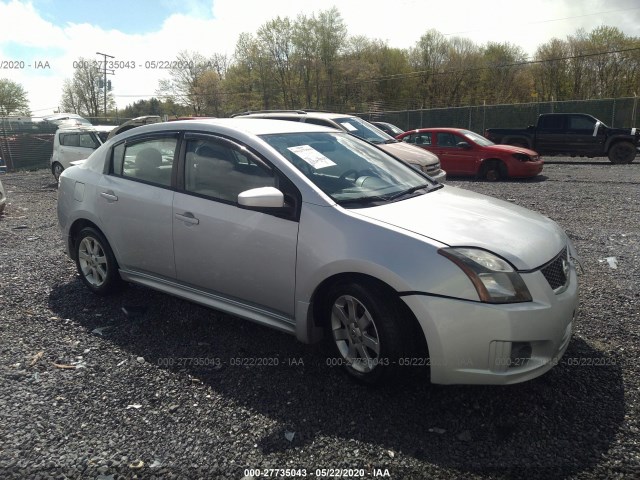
pixel 317 233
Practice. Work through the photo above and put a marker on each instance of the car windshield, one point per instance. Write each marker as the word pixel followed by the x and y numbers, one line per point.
pixel 478 139
pixel 363 129
pixel 393 128
pixel 349 170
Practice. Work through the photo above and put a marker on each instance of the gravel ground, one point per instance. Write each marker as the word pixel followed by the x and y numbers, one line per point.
pixel 88 391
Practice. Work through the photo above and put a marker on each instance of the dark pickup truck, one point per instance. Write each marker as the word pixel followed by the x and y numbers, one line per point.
pixel 574 134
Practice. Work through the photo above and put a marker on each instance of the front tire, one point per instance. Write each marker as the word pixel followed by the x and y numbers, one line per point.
pixel 493 170
pixel 366 329
pixel 96 263
pixel 622 153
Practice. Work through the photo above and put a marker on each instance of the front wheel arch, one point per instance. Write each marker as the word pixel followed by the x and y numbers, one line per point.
pixel 418 346
pixel 493 170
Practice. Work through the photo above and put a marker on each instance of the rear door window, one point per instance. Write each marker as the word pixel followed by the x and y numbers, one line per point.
pixel 149 160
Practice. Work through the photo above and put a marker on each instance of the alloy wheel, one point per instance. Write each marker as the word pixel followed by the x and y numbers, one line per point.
pixel 355 333
pixel 93 261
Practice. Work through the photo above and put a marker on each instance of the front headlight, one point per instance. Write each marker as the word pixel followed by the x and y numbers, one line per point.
pixel 522 157
pixel 494 278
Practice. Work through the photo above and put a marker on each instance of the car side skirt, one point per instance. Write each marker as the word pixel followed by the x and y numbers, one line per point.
pixel 212 300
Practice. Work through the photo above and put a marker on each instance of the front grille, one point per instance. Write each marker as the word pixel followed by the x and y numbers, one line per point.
pixel 556 270
pixel 431 168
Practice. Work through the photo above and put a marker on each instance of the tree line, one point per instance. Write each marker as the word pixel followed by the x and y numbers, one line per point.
pixel 311 62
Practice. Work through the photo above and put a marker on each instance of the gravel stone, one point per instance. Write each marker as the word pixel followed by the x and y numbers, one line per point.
pixel 581 420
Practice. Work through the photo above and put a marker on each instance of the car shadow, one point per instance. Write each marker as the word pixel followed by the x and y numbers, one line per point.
pixel 537 179
pixel 570 414
pixel 564 161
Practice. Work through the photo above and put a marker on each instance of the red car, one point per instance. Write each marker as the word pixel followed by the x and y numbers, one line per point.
pixel 463 152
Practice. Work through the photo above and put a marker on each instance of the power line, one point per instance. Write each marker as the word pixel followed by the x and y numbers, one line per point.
pixel 417 73
pixel 550 20
pixel 505 65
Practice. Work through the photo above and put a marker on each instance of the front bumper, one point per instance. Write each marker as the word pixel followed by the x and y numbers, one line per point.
pixel 439 175
pixel 527 169
pixel 472 342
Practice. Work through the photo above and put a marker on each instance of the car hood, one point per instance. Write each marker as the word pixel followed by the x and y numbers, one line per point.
pixel 623 131
pixel 410 153
pixel 511 149
pixel 462 218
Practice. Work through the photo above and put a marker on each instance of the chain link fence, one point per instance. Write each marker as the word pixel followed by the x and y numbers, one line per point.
pixel 614 112
pixel 27 143
pixel 24 144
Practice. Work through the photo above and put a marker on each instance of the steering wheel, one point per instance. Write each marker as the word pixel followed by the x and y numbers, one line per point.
pixel 349 172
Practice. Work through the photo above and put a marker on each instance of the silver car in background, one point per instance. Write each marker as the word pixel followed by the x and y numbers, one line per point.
pixel 320 234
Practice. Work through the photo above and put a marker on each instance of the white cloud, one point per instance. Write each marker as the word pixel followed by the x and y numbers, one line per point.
pixel 400 23
pixel 23 25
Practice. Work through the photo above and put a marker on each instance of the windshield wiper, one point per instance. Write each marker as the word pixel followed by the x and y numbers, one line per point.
pixel 363 200
pixel 391 140
pixel 408 191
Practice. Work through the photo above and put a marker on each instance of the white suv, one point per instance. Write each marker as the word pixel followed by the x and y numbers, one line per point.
pixel 72 143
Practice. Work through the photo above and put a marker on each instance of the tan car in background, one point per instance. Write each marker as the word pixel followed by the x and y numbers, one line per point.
pixel 419 159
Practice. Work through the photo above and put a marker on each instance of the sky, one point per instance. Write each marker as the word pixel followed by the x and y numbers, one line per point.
pixel 40 39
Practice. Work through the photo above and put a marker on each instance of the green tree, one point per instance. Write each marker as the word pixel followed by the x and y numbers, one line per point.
pixel 551 75
pixel 306 47
pixel 248 84
pixel 505 76
pixel 189 81
pixel 154 106
pixel 83 94
pixel 13 98
pixel 331 32
pixel 276 40
pixel 428 58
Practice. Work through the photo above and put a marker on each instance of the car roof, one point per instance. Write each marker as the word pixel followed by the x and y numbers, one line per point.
pixel 248 126
pixel 69 128
pixel 293 113
pixel 435 129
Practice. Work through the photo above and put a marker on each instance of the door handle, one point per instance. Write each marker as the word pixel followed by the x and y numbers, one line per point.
pixel 188 218
pixel 110 196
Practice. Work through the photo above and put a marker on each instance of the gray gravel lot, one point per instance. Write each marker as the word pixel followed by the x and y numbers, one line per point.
pixel 158 393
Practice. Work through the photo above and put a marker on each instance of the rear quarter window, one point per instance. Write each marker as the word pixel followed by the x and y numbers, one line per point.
pixel 69 139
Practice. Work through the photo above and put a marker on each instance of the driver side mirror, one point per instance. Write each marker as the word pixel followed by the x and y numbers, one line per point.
pixel 463 145
pixel 263 197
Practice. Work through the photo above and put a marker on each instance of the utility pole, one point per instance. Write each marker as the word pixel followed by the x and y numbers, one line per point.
pixel 104 70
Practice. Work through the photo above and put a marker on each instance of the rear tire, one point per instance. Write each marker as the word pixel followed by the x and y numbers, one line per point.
pixel 367 330
pixel 96 263
pixel 622 153
pixel 57 170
